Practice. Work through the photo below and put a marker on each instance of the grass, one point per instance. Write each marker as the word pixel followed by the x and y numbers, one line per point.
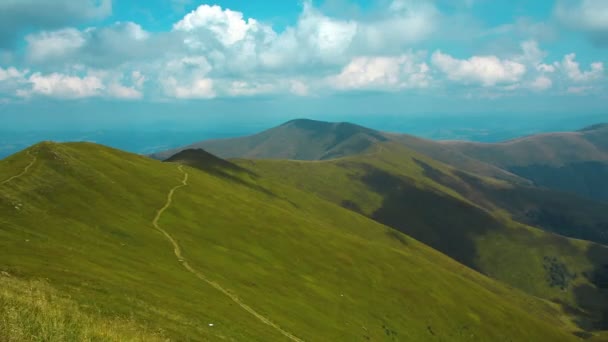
pixel 442 208
pixel 34 311
pixel 81 218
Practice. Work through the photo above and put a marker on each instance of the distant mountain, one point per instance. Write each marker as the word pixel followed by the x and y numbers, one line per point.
pixel 575 162
pixel 298 139
pixel 571 161
pixel 106 245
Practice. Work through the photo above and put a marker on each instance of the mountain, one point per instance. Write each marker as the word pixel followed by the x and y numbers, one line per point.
pixel 575 162
pixel 483 223
pixel 169 251
pixel 297 139
pixel 571 161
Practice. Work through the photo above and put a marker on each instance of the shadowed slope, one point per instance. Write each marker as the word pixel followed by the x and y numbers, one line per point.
pixel 81 217
pixel 460 215
pixel 576 162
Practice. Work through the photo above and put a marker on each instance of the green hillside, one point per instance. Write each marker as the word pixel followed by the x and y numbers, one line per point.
pixel 461 215
pixel 184 254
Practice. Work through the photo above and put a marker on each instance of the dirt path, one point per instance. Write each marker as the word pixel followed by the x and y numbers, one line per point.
pixel 178 253
pixel 27 167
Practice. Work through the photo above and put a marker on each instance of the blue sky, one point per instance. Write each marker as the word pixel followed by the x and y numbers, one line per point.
pixel 112 62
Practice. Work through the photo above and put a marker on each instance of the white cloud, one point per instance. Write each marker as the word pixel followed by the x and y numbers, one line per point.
pixel 589 16
pixel 548 68
pixel 485 70
pixel 64 86
pixel 138 79
pixel 109 46
pixel 11 73
pixel 243 88
pixel 573 71
pixel 541 83
pixel 405 22
pixel 299 88
pixel 120 91
pixel 586 14
pixel 578 90
pixel 383 73
pixel 44 45
pixel 228 26
pixel 198 88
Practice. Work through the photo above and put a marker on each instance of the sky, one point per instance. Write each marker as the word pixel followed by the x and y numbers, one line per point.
pixel 68 64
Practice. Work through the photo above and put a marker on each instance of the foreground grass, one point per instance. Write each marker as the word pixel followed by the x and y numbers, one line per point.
pixel 34 311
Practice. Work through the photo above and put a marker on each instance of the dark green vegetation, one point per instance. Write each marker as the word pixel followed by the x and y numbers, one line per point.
pixel 80 216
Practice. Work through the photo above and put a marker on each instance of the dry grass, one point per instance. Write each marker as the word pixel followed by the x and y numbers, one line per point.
pixel 34 311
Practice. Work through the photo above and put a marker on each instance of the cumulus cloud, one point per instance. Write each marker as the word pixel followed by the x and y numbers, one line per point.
pixel 16 16
pixel 215 52
pixel 186 78
pixel 541 83
pixel 108 46
pixel 55 44
pixel 299 88
pixel 589 16
pixel 484 70
pixel 226 25
pixel 197 88
pixel 11 73
pixel 574 72
pixel 63 86
pixel 383 73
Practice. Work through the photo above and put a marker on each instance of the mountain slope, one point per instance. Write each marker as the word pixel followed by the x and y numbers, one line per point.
pixel 572 161
pixel 457 214
pixel 83 217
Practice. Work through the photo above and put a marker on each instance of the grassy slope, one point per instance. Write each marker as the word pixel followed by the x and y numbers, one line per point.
pixel 81 218
pixel 391 185
pixel 34 311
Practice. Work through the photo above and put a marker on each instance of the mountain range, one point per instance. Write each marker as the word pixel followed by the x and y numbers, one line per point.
pixel 310 231
pixel 569 161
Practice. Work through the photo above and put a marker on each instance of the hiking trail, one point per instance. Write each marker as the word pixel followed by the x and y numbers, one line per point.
pixel 27 167
pixel 178 253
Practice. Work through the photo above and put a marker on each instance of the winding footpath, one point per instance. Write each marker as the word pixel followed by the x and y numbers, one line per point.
pixel 27 167
pixel 178 253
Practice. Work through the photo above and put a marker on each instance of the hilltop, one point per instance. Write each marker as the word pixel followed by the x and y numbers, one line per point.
pixel 299 139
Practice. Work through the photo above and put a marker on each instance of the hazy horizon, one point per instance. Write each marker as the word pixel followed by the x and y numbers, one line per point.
pixel 151 136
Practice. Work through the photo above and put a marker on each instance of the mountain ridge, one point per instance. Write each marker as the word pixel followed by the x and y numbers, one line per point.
pixel 546 160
